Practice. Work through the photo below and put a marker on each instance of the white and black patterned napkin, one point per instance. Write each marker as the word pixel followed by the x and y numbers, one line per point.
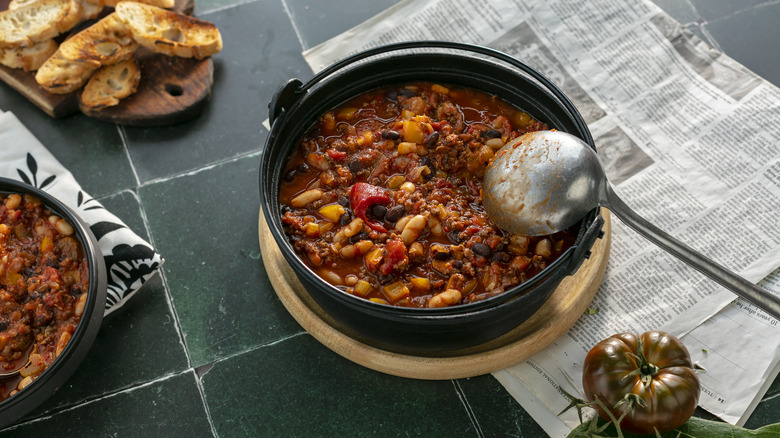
pixel 130 260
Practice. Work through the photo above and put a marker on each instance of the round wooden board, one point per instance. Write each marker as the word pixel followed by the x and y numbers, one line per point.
pixel 559 313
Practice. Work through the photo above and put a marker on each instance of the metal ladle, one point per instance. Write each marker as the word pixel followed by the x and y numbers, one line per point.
pixel 546 181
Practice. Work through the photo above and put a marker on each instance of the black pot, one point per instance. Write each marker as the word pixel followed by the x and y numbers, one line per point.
pixel 69 360
pixel 443 331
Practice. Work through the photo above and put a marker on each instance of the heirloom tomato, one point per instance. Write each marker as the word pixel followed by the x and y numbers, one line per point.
pixel 651 376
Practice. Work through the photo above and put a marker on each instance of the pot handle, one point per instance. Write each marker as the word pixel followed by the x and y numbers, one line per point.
pixel 582 251
pixel 286 95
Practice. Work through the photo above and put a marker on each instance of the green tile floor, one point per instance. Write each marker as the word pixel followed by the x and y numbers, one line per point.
pixel 206 349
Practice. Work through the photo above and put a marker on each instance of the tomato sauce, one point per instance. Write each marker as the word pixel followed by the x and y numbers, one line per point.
pixel 382 198
pixel 44 280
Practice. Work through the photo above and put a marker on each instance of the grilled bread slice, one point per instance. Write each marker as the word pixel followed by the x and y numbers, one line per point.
pixel 59 75
pixel 110 84
pixel 169 33
pixel 165 4
pixel 108 41
pixel 28 58
pixel 32 23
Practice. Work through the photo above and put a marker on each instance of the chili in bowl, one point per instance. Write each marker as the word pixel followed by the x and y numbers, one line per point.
pixel 370 185
pixel 52 295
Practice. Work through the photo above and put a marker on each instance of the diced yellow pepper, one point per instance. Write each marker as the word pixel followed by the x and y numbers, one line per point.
pixel 413 132
pixel 362 288
pixel 440 89
pixel 46 244
pixel 395 291
pixel 378 300
pixel 421 283
pixel 311 229
pixel 332 212
pixel 347 113
pixel 374 257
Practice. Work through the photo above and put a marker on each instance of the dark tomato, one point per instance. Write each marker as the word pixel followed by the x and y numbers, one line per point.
pixel 655 367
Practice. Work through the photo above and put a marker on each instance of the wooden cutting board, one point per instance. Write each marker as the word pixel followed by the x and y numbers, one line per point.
pixel 567 303
pixel 171 89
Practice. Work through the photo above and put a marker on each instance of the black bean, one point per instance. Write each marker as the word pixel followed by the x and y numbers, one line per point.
pixel 406 92
pixel 343 201
pixel 457 264
pixel 390 135
pixel 285 208
pixel 379 211
pixel 441 255
pixel 425 161
pixel 392 95
pixel 303 168
pixel 492 133
pixel 359 236
pixel 289 176
pixel 481 249
pixel 395 213
pixel 354 167
pixel 345 218
pixel 431 139
pixel 500 256
pixel 454 237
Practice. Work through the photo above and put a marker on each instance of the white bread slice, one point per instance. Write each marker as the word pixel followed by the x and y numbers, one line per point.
pixel 107 41
pixel 165 4
pixel 72 18
pixel 28 58
pixel 110 84
pixel 59 75
pixel 32 23
pixel 170 33
pixel 90 10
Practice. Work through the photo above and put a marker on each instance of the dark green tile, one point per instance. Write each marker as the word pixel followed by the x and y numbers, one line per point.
pixel 756 49
pixel 716 9
pixel 680 10
pixel 136 344
pixel 300 388
pixel 320 21
pixel 260 52
pixel 90 149
pixel 208 234
pixel 496 412
pixel 125 206
pixel 168 408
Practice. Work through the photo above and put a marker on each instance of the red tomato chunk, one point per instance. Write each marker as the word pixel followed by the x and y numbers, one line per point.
pixel 382 198
pixel 44 279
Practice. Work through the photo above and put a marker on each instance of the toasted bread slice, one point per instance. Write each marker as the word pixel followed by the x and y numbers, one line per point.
pixel 72 18
pixel 108 41
pixel 165 4
pixel 59 75
pixel 32 23
pixel 90 10
pixel 28 58
pixel 170 33
pixel 110 84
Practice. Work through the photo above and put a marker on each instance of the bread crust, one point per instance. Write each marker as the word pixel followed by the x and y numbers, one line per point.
pixel 27 58
pixel 108 41
pixel 32 23
pixel 110 84
pixel 59 75
pixel 168 32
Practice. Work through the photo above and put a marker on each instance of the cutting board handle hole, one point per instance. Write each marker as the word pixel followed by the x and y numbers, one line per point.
pixel 174 90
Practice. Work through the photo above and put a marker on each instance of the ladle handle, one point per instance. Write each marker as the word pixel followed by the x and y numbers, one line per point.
pixel 767 301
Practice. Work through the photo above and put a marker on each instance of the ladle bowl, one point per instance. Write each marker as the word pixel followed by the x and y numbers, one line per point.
pixel 544 181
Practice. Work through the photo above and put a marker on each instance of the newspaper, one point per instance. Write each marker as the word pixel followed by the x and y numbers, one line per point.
pixel 690 139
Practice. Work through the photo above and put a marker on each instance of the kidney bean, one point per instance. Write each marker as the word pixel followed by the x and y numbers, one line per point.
pixel 390 135
pixel 431 139
pixel 481 249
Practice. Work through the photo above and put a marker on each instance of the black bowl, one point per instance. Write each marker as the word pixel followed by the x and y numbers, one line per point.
pixel 444 331
pixel 12 408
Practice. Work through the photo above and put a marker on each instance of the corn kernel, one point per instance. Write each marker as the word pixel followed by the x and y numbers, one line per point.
pixel 332 212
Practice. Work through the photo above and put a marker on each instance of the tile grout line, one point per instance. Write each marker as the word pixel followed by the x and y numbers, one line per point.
pixel 191 172
pixel 294 25
pixel 50 414
pixel 123 136
pixel 467 407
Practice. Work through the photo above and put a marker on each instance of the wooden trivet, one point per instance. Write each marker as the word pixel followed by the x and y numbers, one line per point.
pixel 567 303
